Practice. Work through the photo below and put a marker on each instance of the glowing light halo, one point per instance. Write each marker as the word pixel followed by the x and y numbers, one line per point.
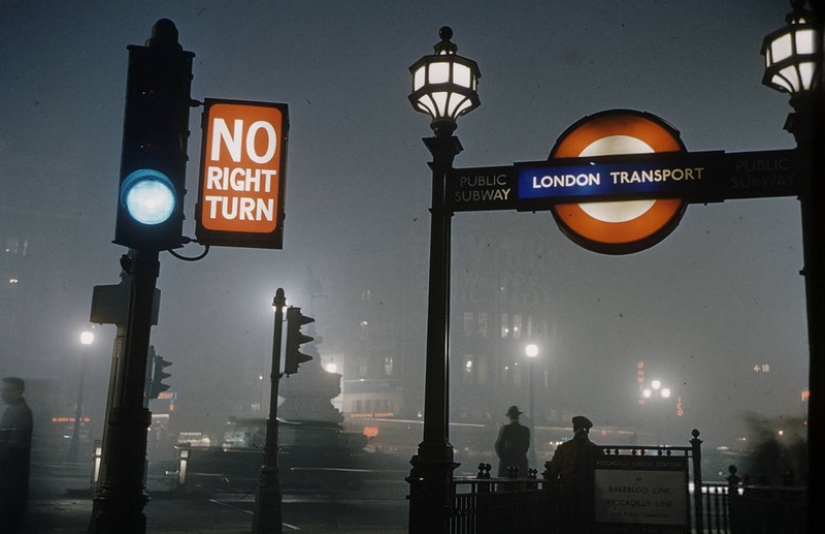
pixel 620 227
pixel 149 196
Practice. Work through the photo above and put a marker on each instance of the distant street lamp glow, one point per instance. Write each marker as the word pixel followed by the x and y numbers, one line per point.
pixel 87 337
pixel 531 350
pixel 331 367
pixel 656 384
pixel 647 393
pixel 665 393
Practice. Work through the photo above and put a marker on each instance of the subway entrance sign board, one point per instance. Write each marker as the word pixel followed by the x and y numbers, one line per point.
pixel 242 174
pixel 619 181
pixel 642 492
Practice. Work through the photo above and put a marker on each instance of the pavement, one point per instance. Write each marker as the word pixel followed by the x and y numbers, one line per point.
pixel 60 502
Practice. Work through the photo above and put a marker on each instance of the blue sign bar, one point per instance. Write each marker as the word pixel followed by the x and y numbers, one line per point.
pixel 696 177
pixel 675 175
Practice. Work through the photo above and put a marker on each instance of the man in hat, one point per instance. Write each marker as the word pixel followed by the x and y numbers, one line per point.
pixel 573 462
pixel 512 445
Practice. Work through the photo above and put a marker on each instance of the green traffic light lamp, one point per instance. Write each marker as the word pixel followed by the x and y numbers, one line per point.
pixel 148 196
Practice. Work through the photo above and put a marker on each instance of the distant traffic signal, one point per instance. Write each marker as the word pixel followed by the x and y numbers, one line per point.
pixel 156 385
pixel 294 339
pixel 155 136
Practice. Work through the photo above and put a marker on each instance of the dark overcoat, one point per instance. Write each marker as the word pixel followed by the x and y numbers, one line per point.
pixel 511 447
pixel 574 458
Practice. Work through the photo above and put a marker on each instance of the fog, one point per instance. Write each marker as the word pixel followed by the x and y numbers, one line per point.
pixel 715 311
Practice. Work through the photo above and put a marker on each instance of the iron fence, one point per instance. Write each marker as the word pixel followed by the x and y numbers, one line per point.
pixel 485 505
pixel 488 506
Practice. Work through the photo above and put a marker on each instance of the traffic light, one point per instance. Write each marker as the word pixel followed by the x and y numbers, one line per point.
pixel 294 339
pixel 156 385
pixel 155 136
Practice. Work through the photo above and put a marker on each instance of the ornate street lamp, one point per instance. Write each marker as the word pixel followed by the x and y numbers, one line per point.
pixel 444 87
pixel 793 65
pixel 793 53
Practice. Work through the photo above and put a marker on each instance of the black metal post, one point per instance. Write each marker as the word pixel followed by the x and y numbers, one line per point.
pixel 267 516
pixel 119 501
pixel 698 506
pixel 434 463
pixel 531 404
pixel 807 124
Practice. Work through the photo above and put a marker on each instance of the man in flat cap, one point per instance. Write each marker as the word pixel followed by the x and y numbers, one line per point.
pixel 573 462
pixel 573 458
pixel 512 445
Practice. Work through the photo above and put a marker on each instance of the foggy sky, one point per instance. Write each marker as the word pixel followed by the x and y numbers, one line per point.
pixel 718 296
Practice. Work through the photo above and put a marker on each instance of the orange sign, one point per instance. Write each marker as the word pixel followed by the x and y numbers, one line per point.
pixel 618 227
pixel 242 175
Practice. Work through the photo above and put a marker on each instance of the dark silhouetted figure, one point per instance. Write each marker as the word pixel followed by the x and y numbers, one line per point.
pixel 573 462
pixel 15 453
pixel 512 445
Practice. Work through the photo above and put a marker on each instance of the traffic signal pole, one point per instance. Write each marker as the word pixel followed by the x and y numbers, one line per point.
pixel 149 219
pixel 267 517
pixel 120 498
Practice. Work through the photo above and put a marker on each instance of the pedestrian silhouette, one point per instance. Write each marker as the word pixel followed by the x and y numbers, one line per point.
pixel 574 462
pixel 15 454
pixel 512 444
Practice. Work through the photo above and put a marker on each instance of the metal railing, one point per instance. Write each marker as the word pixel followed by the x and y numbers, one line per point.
pixel 716 507
pixel 483 504
pixel 767 509
pixel 486 505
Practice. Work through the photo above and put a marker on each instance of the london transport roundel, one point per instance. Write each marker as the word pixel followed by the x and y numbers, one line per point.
pixel 618 227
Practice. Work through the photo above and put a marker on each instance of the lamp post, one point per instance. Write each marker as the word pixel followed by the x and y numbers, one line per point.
pixel 444 87
pixel 267 517
pixel 793 65
pixel 86 339
pixel 531 351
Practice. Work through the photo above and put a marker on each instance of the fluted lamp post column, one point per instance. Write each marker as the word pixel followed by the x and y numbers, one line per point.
pixel 444 87
pixel 531 351
pixel 793 65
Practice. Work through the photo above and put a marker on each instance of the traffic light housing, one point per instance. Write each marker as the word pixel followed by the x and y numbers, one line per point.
pixel 155 136
pixel 294 339
pixel 156 385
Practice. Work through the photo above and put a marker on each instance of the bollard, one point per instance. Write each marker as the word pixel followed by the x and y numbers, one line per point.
pixel 96 465
pixel 182 451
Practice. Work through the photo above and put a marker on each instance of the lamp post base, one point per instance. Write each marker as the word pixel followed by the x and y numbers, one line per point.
pixel 431 491
pixel 267 518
